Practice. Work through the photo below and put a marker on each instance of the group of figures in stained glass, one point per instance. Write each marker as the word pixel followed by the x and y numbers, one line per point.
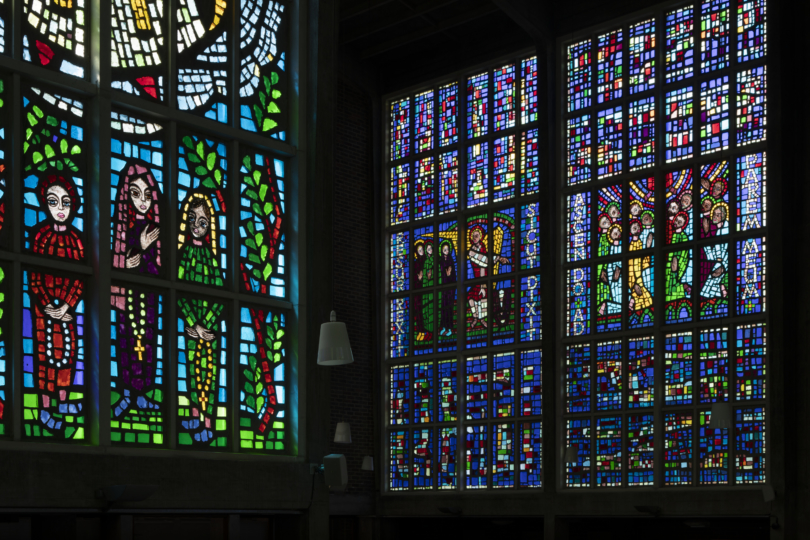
pixel 208 357
pixel 708 252
pixel 465 280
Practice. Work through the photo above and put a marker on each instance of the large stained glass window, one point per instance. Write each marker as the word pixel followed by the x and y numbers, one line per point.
pixel 171 304
pixel 137 366
pixel 463 296
pixel 664 260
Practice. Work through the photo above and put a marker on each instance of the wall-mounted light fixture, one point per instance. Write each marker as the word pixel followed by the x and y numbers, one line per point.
pixel 334 348
pixel 721 417
pixel 571 455
pixel 343 433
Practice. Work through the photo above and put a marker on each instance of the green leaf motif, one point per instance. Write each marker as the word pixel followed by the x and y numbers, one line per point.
pixel 273 108
pixel 268 124
pixel 211 161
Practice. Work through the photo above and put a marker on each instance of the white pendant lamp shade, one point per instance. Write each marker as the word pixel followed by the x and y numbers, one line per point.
pixel 721 417
pixel 368 464
pixel 333 347
pixel 571 455
pixel 343 433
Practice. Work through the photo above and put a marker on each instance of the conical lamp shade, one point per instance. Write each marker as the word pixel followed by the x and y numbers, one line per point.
pixel 343 433
pixel 721 417
pixel 333 347
pixel 571 455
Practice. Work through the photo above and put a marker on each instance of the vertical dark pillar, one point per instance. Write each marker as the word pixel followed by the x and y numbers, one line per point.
pixel 319 148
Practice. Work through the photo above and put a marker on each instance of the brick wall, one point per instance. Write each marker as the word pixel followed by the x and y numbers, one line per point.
pixel 353 281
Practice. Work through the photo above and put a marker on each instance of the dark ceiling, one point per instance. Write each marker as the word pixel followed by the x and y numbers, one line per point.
pixel 404 42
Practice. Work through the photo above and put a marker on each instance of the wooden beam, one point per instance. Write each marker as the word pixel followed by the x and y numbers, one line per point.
pixel 392 19
pixel 361 8
pixel 447 24
pixel 534 16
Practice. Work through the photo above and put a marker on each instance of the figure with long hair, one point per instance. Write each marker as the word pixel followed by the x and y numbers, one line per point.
pixel 136 338
pixel 197 243
pixel 137 222
pixel 201 318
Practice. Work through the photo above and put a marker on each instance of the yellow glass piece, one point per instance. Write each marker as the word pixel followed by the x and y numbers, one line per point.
pixel 219 10
pixel 141 15
pixel 64 3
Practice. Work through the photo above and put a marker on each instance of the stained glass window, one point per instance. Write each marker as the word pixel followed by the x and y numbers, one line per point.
pixel 751 105
pixel 609 451
pixel 463 252
pixel 204 59
pixel 448 97
pixel 609 128
pixel 54 175
pixel 137 195
pixel 503 105
pixel 503 456
pixel 714 116
pixel 56 37
pixel 135 307
pixel 447 468
pixel 138 48
pixel 714 35
pixel 678 124
pixel 579 149
pixel 137 366
pixel 423 461
pixel 609 59
pixel 579 75
pixel 749 446
pixel 641 134
pixel 477 105
pixel 423 121
pixel 202 240
pixel 54 369
pixel 262 225
pixel 203 406
pixel 678 449
pixel 679 55
pixel 641 54
pixel 398 461
pixel 5 360
pixel 262 380
pixel 640 450
pixel 531 454
pixel 663 205
pixel 751 35
pixel 713 452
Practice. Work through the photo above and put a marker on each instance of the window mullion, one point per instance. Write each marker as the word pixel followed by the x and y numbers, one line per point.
pixel 14 214
pixel 100 309
pixel 170 196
